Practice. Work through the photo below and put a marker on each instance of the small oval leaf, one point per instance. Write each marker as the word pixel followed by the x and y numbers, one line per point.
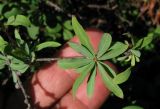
pixel 2 61
pixel 136 53
pixel 133 60
pixel 133 107
pixel 14 77
pixel 19 20
pixel 18 65
pixel 18 37
pixel 68 24
pixel 33 31
pixel 67 34
pixel 144 41
pixel 122 77
pixel 47 44
pixel 3 44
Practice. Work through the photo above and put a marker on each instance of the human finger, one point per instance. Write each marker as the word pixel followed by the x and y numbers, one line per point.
pixel 51 82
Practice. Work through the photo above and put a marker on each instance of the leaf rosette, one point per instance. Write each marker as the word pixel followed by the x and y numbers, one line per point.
pixel 91 62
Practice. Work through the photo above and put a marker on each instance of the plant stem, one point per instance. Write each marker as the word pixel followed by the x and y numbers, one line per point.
pixel 55 59
pixel 95 6
pixel 47 59
pixel 26 101
pixel 55 6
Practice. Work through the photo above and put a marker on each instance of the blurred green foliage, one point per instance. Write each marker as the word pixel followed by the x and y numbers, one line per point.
pixel 27 27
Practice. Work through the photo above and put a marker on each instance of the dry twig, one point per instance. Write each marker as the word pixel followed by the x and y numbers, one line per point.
pixel 55 6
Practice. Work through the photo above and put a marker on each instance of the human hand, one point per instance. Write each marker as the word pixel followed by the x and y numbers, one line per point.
pixel 51 85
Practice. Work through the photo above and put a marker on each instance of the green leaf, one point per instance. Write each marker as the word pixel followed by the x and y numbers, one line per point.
pixel 26 48
pixel 12 12
pixel 33 31
pixel 19 20
pixel 80 32
pixel 54 30
pixel 67 34
pixel 33 56
pixel 144 41
pixel 10 20
pixel 2 57
pixel 117 49
pixel 84 72
pixel 122 77
pixel 129 58
pixel 137 59
pixel 157 30
pixel 104 44
pixel 68 24
pixel 109 82
pixel 14 77
pixel 133 107
pixel 20 52
pixel 109 70
pixel 122 58
pixel 20 67
pixel 18 37
pixel 91 82
pixel 136 52
pixel 2 61
pixel 17 65
pixel 133 61
pixel 47 44
pixel 81 49
pixel 1 7
pixel 73 62
pixel 3 44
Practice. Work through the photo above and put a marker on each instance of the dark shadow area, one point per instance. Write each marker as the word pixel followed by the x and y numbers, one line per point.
pixel 143 86
pixel 47 93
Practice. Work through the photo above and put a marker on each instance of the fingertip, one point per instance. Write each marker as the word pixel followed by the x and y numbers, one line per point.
pixel 100 94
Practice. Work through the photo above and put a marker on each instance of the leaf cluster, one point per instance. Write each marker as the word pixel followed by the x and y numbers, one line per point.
pixel 38 19
pixel 133 54
pixel 19 55
pixel 91 63
pixel 26 29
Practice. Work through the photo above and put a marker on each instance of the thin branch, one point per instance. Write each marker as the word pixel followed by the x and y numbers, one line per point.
pixel 101 6
pixel 6 80
pixel 127 53
pixel 26 101
pixel 124 20
pixel 55 59
pixel 55 6
pixel 47 59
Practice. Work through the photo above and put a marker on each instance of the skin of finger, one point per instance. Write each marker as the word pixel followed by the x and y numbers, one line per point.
pixel 82 101
pixel 51 82
pixel 67 102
